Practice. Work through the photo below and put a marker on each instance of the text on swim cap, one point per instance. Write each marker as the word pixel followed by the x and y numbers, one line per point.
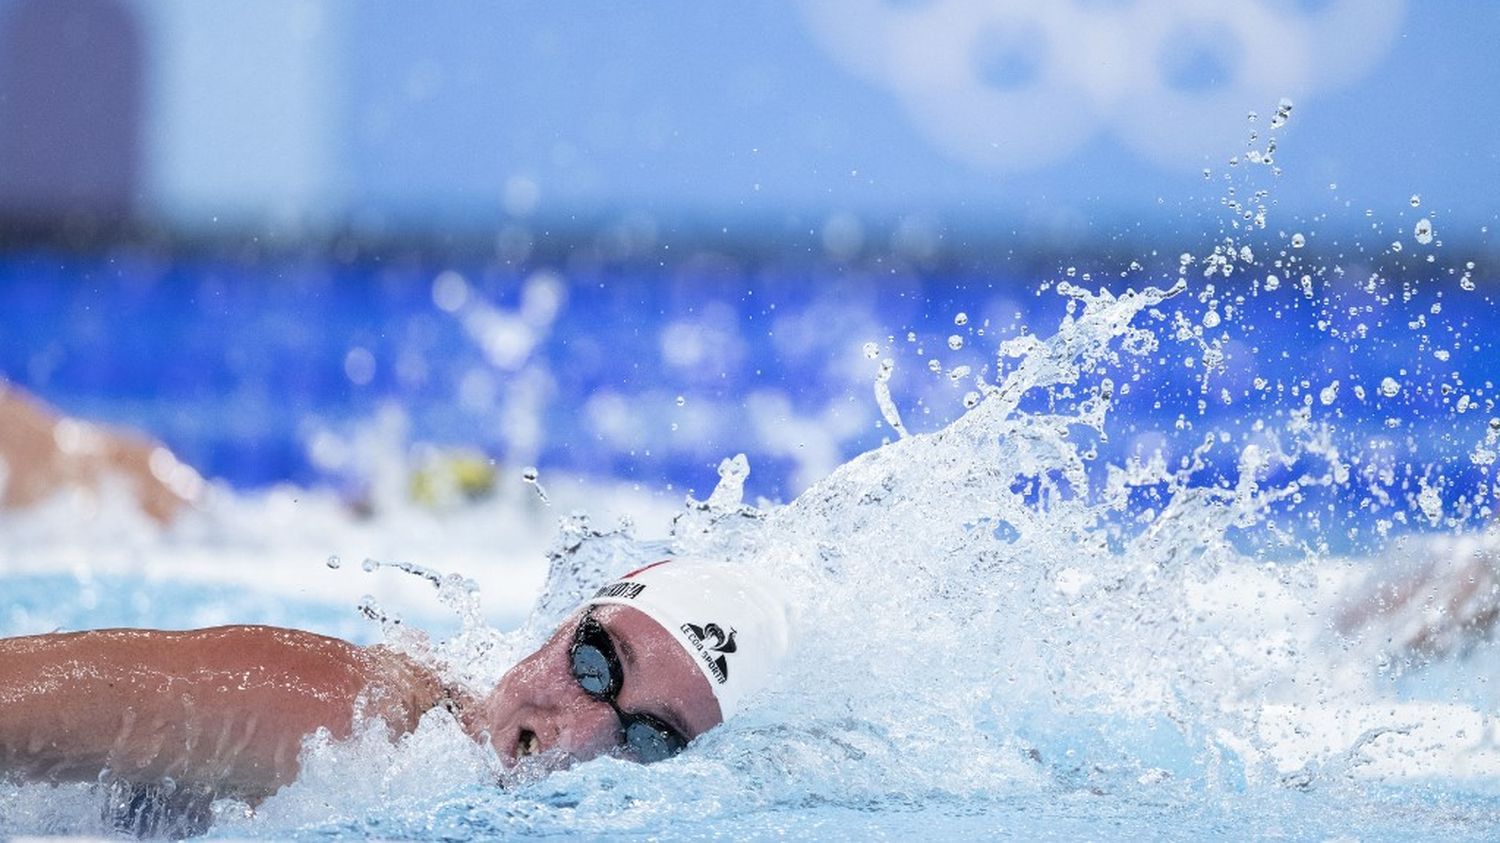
pixel 620 590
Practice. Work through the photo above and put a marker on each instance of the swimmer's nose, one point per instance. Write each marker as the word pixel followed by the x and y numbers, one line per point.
pixel 566 719
pixel 585 728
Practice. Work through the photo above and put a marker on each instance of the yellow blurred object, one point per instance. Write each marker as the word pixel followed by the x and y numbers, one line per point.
pixel 450 477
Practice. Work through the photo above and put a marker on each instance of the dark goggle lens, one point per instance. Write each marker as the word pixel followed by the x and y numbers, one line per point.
pixel 648 742
pixel 592 670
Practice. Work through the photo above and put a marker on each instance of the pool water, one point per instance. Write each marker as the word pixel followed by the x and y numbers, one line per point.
pixel 1128 574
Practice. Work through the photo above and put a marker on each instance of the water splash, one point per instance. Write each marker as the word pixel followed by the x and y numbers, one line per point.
pixel 1001 611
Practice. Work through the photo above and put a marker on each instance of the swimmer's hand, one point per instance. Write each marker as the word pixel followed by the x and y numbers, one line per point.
pixel 1444 602
pixel 44 453
pixel 224 708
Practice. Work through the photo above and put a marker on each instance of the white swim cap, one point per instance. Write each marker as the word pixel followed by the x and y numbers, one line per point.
pixel 733 624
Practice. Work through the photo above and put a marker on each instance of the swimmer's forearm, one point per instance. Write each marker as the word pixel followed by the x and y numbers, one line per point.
pixel 227 707
pixel 42 453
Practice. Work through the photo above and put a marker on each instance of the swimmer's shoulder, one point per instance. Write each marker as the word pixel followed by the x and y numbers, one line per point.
pixel 403 689
pixel 386 682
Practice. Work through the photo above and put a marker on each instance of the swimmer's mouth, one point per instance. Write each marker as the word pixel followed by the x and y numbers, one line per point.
pixel 527 744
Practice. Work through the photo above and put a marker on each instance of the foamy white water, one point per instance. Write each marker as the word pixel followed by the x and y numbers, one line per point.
pixel 1280 629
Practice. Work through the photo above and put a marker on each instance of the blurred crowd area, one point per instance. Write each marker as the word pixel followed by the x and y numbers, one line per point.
pixel 291 239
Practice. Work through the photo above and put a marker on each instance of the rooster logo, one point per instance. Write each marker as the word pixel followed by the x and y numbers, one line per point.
pixel 718 641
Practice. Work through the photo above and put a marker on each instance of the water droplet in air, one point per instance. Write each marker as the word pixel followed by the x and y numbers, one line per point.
pixel 971 400
pixel 1298 241
pixel 1415 200
pixel 955 342
pixel 1389 388
pixel 681 400
pixel 369 565
pixel 1396 245
pixel 530 475
pixel 883 397
pixel 1272 282
pixel 934 365
pixel 1283 111
pixel 1329 394
pixel 334 562
pixel 1423 231
pixel 1211 319
pixel 872 350
pixel 961 319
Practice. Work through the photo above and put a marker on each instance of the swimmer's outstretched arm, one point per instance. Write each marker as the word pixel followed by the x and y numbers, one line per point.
pixel 43 453
pixel 225 707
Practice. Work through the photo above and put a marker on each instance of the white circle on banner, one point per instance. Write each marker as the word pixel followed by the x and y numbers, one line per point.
pixel 1012 84
pixel 994 85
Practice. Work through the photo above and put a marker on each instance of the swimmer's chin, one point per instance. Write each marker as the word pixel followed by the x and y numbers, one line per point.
pixel 519 772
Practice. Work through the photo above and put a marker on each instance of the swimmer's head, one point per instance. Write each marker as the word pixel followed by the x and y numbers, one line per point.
pixel 650 662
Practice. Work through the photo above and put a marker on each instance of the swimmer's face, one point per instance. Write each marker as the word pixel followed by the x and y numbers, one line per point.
pixel 540 708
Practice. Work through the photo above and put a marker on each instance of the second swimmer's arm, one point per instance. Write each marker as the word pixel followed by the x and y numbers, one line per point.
pixel 227 707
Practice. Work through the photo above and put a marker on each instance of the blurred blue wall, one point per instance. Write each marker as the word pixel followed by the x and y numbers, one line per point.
pixel 289 116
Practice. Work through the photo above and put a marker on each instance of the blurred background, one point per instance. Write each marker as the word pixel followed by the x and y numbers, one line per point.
pixel 628 241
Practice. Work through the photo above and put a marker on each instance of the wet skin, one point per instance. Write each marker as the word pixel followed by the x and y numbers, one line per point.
pixel 228 708
pixel 539 708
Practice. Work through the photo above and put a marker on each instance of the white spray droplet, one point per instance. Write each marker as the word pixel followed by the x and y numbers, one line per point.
pixel 334 562
pixel 961 319
pixel 872 350
pixel 955 342
pixel 1283 113
pixel 532 476
pixel 883 397
pixel 1423 231
pixel 1390 388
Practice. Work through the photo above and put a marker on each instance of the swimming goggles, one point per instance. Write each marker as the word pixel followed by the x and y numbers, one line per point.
pixel 596 668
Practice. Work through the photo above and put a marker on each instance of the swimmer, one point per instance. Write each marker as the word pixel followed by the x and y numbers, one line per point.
pixel 43 453
pixel 1442 598
pixel 650 662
